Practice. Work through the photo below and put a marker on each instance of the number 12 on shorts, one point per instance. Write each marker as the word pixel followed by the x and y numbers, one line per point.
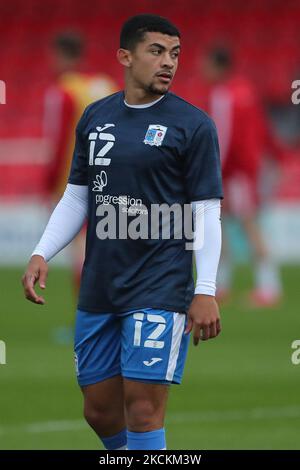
pixel 151 341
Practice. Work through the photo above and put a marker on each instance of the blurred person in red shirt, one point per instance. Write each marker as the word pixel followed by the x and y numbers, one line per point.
pixel 234 105
pixel 64 103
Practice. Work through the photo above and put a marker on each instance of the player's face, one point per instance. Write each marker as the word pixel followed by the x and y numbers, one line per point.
pixel 154 62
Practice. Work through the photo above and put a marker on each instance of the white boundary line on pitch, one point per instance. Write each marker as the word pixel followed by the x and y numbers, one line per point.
pixel 254 414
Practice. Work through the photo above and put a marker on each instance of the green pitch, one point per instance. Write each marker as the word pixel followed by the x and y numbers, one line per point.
pixel 240 391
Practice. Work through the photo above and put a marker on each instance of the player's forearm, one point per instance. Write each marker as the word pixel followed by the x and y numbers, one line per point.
pixel 65 222
pixel 208 237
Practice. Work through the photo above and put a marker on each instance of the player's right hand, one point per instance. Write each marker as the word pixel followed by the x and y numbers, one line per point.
pixel 37 270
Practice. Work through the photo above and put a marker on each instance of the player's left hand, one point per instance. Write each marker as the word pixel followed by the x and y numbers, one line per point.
pixel 203 318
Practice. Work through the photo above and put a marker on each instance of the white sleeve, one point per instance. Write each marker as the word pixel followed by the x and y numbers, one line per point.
pixel 65 222
pixel 207 226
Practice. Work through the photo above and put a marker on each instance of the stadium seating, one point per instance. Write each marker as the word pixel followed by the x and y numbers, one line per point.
pixel 264 40
pixel 264 37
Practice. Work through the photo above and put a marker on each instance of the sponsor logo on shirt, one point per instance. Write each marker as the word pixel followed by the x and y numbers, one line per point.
pixel 129 204
pixel 155 135
pixel 101 181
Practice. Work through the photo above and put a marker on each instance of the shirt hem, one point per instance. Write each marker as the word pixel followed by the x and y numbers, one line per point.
pixel 101 310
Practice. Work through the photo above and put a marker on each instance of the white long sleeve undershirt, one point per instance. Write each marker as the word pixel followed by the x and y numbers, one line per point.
pixel 208 255
pixel 65 222
pixel 69 215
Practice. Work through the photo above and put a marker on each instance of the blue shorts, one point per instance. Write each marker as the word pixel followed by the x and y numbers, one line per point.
pixel 148 345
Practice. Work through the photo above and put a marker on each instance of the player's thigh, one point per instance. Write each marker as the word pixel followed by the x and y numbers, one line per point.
pixel 153 346
pixel 105 395
pixel 97 347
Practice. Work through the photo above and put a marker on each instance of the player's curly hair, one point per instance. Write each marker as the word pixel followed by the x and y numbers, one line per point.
pixel 134 29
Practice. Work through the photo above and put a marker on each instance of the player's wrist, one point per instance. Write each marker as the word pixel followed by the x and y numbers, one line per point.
pixel 35 256
pixel 204 299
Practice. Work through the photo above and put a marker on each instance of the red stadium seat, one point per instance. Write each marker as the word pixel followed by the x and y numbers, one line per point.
pixel 264 37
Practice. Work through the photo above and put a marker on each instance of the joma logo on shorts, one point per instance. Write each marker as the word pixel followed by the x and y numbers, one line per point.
pixel 154 360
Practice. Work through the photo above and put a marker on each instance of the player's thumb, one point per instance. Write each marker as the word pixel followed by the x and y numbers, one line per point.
pixel 189 326
pixel 43 278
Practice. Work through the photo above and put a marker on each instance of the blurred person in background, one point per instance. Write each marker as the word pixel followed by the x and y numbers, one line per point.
pixel 64 103
pixel 243 132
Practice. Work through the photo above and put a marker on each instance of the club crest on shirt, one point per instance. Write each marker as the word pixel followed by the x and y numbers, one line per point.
pixel 155 134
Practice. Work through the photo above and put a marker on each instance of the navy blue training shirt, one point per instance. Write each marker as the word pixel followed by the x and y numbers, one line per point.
pixel 132 159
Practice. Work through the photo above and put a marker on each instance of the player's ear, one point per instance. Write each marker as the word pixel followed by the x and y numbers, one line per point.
pixel 124 57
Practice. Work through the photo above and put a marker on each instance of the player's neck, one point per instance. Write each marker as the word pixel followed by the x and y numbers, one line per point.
pixel 138 96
